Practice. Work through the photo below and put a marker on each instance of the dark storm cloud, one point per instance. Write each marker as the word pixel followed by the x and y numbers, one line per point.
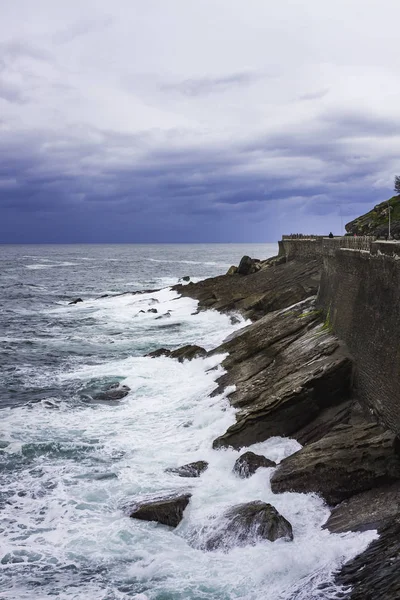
pixel 48 177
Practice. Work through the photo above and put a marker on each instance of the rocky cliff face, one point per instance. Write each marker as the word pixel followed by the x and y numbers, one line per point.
pixel 292 376
pixel 375 222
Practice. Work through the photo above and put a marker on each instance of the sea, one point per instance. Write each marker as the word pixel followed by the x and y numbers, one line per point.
pixel 71 465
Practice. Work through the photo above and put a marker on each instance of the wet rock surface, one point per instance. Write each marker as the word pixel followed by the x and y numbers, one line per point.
pixel 248 524
pixel 348 461
pixel 115 391
pixel 187 352
pixel 287 368
pixel 276 285
pixel 374 574
pixel 194 469
pixel 167 510
pixel 76 301
pixel 373 509
pixel 248 463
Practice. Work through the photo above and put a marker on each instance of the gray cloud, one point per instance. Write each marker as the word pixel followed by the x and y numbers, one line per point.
pixel 203 86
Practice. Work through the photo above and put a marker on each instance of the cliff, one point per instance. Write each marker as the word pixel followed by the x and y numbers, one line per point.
pixel 376 221
pixel 320 363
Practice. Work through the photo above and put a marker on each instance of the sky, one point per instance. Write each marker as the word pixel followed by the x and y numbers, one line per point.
pixel 166 121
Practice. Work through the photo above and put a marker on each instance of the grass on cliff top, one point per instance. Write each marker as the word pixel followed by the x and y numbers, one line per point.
pixel 377 217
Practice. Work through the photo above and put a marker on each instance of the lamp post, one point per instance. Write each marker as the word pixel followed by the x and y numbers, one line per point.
pixel 389 210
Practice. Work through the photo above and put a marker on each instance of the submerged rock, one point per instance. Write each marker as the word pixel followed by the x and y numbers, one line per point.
pixel 185 278
pixel 114 391
pixel 184 353
pixel 248 463
pixel 194 469
pixel 152 310
pixel 349 460
pixel 167 510
pixel 248 524
pixel 76 301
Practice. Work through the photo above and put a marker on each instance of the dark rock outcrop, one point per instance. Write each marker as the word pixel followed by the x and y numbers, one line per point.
pixel 194 469
pixel 287 368
pixel 247 266
pixel 276 285
pixel 76 301
pixel 248 524
pixel 248 463
pixel 152 310
pixel 185 278
pixel 187 352
pixel 349 460
pixel 374 574
pixel 373 509
pixel 167 510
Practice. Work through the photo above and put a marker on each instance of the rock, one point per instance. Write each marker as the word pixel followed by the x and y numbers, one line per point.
pixel 185 278
pixel 115 391
pixel 249 523
pixel 286 368
pixel 167 510
pixel 158 353
pixel 246 266
pixel 248 463
pixel 373 509
pixel 152 310
pixel 348 461
pixel 187 352
pixel 374 574
pixel 232 270
pixel 280 285
pixel 76 301
pixel 166 315
pixel 234 320
pixel 194 469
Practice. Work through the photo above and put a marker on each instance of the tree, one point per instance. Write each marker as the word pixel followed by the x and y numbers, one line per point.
pixel 397 184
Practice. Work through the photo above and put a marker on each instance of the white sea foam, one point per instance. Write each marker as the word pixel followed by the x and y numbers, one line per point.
pixel 74 471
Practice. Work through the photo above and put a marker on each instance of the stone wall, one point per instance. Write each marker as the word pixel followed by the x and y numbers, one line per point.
pixel 300 248
pixel 360 296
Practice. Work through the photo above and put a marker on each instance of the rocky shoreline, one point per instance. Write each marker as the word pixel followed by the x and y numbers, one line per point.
pixel 293 377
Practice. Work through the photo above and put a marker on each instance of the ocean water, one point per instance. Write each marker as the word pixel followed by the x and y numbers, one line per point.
pixel 71 466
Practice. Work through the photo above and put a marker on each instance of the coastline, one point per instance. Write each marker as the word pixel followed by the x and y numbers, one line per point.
pixel 294 377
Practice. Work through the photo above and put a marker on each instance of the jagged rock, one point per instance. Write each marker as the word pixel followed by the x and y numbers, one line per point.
pixel 167 510
pixel 246 266
pixel 248 463
pixel 248 524
pixel 194 469
pixel 152 310
pixel 374 574
pixel 76 301
pixel 372 509
pixel 234 320
pixel 349 460
pixel 232 270
pixel 268 289
pixel 187 352
pixel 166 315
pixel 114 391
pixel 286 368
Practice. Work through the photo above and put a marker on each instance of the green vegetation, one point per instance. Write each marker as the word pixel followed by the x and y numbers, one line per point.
pixel 375 222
